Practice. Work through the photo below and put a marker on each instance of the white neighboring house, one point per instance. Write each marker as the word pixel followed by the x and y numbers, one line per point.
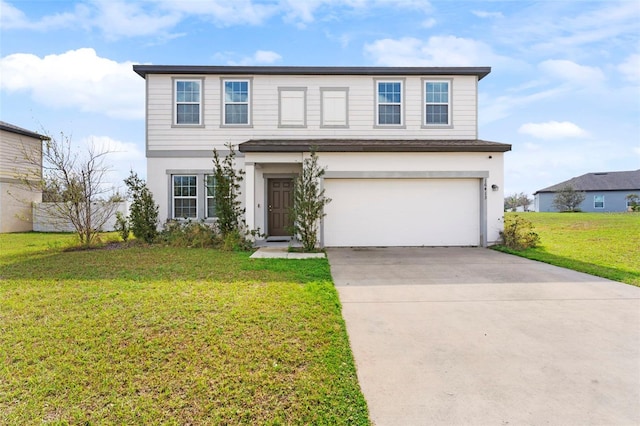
pixel 15 198
pixel 404 165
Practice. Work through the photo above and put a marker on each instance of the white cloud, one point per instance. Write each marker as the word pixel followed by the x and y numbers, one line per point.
pixel 553 130
pixel 429 23
pixel 304 11
pixel 76 79
pixel 630 68
pixel 223 13
pixel 491 110
pixel 435 51
pixel 13 18
pixel 260 57
pixel 116 19
pixel 572 73
pixel 484 14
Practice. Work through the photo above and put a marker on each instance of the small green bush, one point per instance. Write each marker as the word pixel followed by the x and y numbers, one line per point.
pixel 122 226
pixel 190 234
pixel 519 233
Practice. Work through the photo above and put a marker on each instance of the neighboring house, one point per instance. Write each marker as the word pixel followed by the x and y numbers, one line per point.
pixel 404 165
pixel 604 191
pixel 15 198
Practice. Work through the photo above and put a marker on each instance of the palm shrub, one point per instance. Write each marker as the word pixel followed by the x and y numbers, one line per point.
pixel 308 202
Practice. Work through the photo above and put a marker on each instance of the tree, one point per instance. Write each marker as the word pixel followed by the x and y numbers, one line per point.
pixel 308 202
pixel 143 212
pixel 524 201
pixel 227 177
pixel 511 202
pixel 568 199
pixel 634 202
pixel 74 185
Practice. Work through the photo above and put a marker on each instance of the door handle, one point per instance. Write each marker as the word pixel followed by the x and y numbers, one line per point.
pixel 270 209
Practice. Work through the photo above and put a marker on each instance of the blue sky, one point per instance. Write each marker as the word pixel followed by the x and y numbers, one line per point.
pixel 564 89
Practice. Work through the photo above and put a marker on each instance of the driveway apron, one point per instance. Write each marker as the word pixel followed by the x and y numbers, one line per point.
pixel 476 337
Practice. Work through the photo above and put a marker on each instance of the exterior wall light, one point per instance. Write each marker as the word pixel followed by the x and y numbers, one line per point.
pixel 494 187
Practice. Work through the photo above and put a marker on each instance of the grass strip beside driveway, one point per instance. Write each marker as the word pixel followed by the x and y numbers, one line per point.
pixel 602 244
pixel 176 336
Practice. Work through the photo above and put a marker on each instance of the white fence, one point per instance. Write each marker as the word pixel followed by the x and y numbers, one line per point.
pixel 45 220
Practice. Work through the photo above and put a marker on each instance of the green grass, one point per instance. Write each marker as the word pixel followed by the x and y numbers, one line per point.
pixel 150 335
pixel 602 244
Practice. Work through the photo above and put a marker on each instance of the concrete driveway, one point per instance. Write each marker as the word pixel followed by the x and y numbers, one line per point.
pixel 471 336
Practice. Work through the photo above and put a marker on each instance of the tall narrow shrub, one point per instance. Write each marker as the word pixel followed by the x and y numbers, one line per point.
pixel 143 212
pixel 308 202
pixel 229 212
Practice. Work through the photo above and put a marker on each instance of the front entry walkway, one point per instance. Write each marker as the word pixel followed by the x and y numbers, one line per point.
pixel 470 336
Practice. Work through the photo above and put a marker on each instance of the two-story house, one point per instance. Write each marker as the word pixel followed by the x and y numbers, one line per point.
pixel 404 165
pixel 19 150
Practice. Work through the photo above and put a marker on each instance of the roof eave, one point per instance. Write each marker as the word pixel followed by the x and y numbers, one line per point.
pixel 143 70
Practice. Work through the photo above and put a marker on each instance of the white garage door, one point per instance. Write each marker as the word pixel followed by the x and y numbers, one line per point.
pixel 402 212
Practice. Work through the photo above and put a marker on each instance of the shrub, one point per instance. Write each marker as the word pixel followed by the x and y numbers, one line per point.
pixel 190 234
pixel 227 177
pixel 143 214
pixel 122 226
pixel 519 233
pixel 308 202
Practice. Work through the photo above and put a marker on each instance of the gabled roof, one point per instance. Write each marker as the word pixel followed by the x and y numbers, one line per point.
pixel 20 131
pixel 601 181
pixel 368 145
pixel 143 70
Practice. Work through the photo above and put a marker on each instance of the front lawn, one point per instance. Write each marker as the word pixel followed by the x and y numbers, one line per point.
pixel 150 335
pixel 602 244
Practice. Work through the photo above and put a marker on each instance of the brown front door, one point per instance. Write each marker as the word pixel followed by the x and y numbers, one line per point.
pixel 280 199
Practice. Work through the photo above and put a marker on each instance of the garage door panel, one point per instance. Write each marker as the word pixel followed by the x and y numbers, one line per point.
pixel 402 212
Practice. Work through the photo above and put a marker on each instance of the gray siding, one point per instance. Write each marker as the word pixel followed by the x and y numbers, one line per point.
pixel 614 201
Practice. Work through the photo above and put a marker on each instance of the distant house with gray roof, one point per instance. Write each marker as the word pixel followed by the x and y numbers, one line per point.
pixel 605 191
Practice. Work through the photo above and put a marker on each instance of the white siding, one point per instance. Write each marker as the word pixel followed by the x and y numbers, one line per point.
pixel 265 111
pixel 292 108
pixel 15 198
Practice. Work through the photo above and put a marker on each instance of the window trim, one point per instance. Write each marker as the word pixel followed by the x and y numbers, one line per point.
pixel 376 113
pixel 223 103
pixel 174 101
pixel 304 101
pixel 324 90
pixel 595 201
pixel 207 196
pixel 174 197
pixel 449 124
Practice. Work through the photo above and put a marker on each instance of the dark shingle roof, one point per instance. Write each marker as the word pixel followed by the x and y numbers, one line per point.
pixel 368 145
pixel 602 181
pixel 143 70
pixel 20 131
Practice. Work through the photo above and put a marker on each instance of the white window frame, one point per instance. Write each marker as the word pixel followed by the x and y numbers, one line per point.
pixel 595 201
pixel 174 197
pixel 208 197
pixel 426 103
pixel 224 101
pixel 200 102
pixel 379 104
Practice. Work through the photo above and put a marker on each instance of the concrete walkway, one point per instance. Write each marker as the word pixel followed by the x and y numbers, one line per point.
pixel 283 253
pixel 470 336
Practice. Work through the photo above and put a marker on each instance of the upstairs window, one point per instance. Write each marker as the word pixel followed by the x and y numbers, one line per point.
pixel 437 103
pixel 389 102
pixel 185 196
pixel 236 102
pixel 188 98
